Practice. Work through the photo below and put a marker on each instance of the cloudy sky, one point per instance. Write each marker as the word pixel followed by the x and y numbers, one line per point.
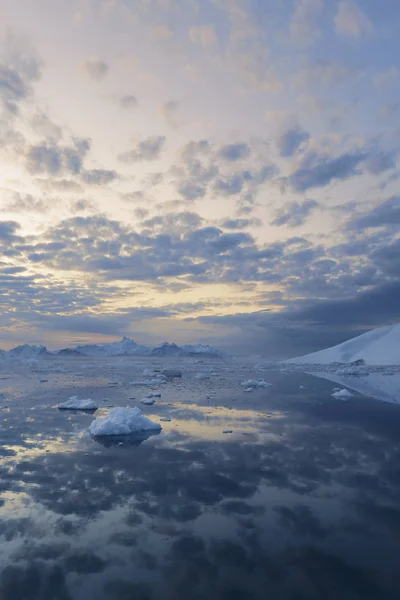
pixel 224 171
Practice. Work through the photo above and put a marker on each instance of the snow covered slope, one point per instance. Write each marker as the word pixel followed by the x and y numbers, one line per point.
pixel 377 347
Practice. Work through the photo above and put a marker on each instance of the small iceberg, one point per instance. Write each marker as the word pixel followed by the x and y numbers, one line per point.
pixel 342 394
pixel 122 421
pixel 75 404
pixel 255 383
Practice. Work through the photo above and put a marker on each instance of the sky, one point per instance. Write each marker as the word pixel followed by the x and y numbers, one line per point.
pixel 216 171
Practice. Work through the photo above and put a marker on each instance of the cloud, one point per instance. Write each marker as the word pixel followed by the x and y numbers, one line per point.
pixel 20 67
pixel 291 140
pixel 379 162
pixel 294 213
pixel 170 112
pixel 303 26
pixel 320 170
pixel 233 152
pixel 25 203
pixel 12 88
pixel 145 150
pixel 95 69
pixel 241 223
pixel 128 102
pixel 7 231
pixel 203 34
pixel 52 159
pixel 99 176
pixel 386 214
pixel 350 21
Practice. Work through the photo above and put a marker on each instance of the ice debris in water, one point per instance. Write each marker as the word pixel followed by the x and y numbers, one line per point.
pixel 255 383
pixel 122 421
pixel 165 419
pixel 342 394
pixel 75 404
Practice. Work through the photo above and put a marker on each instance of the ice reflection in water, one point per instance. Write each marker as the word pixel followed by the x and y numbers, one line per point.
pixel 300 502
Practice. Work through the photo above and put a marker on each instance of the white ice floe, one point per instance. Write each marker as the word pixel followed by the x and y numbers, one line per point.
pixel 165 419
pixel 342 394
pixel 122 421
pixel 75 404
pixel 255 383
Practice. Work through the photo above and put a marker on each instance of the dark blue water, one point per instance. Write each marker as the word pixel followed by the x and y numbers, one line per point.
pixel 300 502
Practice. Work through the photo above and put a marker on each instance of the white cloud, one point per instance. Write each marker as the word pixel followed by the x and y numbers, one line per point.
pixel 203 34
pixel 351 21
pixel 303 26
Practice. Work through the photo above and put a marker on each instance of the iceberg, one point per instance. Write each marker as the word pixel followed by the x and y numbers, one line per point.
pixel 75 404
pixel 380 346
pixel 255 383
pixel 122 421
pixel 342 394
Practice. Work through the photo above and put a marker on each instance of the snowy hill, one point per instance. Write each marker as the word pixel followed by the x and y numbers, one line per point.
pixel 377 347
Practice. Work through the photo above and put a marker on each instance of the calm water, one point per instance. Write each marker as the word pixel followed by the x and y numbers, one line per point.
pixel 301 501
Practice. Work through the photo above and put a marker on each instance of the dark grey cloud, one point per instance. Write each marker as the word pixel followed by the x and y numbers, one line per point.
pixel 128 102
pixel 99 176
pixel 20 67
pixel 95 69
pixel 379 162
pixel 148 149
pixel 385 214
pixel 294 213
pixel 7 231
pixel 241 223
pixel 318 170
pixel 291 140
pixel 229 185
pixel 233 152
pixel 53 159
pixel 203 169
pixel 12 88
pixel 21 203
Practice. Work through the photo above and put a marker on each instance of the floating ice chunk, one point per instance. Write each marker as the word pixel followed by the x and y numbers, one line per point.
pixel 165 419
pixel 122 421
pixel 43 380
pixel 255 383
pixel 113 382
pixel 157 381
pixel 75 404
pixel 342 394
pixel 248 390
pixel 202 376
pixel 171 373
pixel 147 400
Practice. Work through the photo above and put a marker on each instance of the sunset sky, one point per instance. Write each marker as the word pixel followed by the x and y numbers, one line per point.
pixel 220 171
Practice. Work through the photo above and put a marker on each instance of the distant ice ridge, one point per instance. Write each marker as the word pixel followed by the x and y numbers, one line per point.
pixel 122 421
pixel 125 347
pixel 380 346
